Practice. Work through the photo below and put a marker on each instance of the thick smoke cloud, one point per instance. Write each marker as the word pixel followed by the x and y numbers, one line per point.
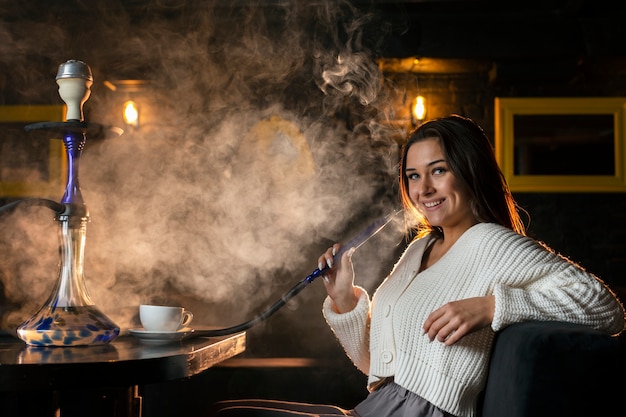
pixel 260 143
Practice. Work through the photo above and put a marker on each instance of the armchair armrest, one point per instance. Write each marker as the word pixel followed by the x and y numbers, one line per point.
pixel 553 369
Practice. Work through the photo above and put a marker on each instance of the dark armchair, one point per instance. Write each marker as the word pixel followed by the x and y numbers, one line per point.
pixel 554 369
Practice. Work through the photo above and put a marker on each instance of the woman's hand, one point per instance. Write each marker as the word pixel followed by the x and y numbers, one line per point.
pixel 339 278
pixel 452 321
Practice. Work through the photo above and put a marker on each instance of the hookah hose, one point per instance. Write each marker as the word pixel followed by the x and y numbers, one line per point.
pixel 53 205
pixel 355 242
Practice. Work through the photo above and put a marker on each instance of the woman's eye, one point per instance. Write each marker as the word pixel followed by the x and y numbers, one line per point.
pixel 439 170
pixel 412 176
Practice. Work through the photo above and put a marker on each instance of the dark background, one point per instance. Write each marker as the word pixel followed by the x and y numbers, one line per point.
pixel 479 50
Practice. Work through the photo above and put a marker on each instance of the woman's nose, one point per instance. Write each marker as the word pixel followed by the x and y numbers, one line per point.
pixel 425 187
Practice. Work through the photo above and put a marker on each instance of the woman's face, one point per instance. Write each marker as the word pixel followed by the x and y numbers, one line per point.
pixel 434 189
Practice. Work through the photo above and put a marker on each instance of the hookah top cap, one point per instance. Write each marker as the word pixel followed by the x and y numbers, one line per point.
pixel 74 69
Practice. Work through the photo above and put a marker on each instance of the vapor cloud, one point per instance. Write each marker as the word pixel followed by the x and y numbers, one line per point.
pixel 261 142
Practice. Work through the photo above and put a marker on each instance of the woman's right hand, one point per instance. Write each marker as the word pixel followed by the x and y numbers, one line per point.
pixel 339 278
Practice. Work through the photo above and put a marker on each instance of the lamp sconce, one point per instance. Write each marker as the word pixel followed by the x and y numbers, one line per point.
pixel 418 110
pixel 131 114
pixel 129 91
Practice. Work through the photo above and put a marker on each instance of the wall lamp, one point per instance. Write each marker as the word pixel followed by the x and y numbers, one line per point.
pixel 131 114
pixel 130 90
pixel 418 110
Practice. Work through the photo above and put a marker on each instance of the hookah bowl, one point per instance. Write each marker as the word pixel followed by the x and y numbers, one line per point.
pixel 69 317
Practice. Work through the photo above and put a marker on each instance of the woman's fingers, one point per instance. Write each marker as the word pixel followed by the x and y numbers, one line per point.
pixel 328 258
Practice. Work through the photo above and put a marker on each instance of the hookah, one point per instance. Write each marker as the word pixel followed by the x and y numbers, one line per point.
pixel 69 317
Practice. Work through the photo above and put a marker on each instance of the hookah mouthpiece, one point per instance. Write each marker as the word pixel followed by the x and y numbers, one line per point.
pixel 360 239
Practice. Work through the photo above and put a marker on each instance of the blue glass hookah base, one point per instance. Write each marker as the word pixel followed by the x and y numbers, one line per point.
pixel 68 326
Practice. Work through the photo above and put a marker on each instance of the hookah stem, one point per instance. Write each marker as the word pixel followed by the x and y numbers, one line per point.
pixel 360 239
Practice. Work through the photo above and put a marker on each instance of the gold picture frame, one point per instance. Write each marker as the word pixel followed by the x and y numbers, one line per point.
pixel 562 144
pixel 31 165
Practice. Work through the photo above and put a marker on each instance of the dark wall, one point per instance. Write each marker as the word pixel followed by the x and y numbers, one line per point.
pixel 520 49
pixel 588 228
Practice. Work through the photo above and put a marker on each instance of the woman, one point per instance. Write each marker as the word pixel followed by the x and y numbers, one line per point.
pixel 425 337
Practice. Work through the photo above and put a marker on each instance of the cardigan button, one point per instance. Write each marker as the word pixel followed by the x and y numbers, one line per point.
pixel 386 356
pixel 387 310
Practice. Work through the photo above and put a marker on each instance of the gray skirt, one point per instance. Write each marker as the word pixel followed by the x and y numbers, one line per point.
pixel 390 400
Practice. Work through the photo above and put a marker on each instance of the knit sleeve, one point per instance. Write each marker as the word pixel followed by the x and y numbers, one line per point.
pixel 535 283
pixel 352 329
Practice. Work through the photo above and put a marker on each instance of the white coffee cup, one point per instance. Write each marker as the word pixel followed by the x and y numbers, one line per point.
pixel 164 318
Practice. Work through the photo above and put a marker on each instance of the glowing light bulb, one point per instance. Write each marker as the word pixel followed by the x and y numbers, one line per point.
pixel 419 108
pixel 131 113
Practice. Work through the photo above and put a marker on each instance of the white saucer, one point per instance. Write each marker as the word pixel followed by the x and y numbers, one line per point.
pixel 161 337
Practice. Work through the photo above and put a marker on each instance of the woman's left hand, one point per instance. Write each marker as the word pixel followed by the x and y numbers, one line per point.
pixel 452 321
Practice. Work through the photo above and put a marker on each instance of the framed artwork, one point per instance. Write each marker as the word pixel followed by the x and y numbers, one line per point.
pixel 562 144
pixel 32 164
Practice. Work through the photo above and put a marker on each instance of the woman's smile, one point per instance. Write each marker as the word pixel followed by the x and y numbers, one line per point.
pixel 433 203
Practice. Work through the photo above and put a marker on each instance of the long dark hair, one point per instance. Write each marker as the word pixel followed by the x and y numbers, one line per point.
pixel 471 159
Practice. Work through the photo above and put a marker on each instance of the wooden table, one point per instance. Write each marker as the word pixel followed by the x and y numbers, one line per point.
pixel 99 381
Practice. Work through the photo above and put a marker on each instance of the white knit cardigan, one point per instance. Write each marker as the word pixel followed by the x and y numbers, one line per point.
pixel 384 337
